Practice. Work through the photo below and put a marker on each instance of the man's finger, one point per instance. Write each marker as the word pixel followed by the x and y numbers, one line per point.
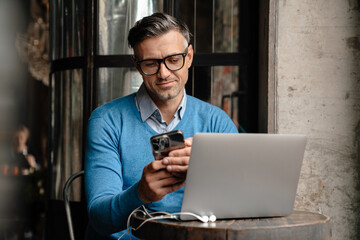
pixel 188 142
pixel 180 152
pixel 153 187
pixel 163 186
pixel 155 166
pixel 177 169
pixel 175 161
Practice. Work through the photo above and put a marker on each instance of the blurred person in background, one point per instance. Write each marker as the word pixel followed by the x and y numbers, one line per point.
pixel 22 157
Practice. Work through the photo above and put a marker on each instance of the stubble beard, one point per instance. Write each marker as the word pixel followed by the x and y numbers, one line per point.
pixel 168 93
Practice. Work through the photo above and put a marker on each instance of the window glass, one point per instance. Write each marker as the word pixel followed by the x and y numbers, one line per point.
pixel 112 83
pixel 67 24
pixel 115 20
pixel 214 24
pixel 222 86
pixel 66 130
pixel 203 32
pixel 225 31
pixel 226 93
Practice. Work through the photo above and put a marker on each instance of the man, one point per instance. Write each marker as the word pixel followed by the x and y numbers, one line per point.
pixel 120 171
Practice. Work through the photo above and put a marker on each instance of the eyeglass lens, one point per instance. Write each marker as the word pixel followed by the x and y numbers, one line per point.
pixel 173 63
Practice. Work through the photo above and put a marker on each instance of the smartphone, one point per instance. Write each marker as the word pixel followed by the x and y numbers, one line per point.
pixel 163 143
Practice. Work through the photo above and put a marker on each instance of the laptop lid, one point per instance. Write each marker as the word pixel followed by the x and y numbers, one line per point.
pixel 243 175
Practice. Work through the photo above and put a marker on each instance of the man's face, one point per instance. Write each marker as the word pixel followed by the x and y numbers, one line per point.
pixel 166 85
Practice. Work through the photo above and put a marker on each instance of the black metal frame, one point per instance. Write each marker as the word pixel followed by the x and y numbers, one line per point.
pixel 246 58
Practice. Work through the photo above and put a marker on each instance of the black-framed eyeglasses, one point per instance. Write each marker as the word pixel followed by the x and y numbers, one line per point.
pixel 173 62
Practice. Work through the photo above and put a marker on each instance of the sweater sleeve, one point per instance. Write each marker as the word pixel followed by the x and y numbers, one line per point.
pixel 108 204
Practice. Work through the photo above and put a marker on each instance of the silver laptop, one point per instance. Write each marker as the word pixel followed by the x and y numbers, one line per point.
pixel 243 175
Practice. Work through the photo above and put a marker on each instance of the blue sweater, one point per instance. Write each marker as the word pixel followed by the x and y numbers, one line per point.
pixel 118 148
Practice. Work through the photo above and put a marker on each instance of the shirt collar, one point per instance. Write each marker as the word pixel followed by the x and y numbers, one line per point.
pixel 147 107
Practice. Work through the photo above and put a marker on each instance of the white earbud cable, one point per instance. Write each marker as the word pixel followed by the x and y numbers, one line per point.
pixel 161 215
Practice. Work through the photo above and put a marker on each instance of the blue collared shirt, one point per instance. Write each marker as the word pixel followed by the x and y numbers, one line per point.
pixel 151 114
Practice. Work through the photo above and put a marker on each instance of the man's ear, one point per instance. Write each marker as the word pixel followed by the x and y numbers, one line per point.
pixel 133 58
pixel 190 56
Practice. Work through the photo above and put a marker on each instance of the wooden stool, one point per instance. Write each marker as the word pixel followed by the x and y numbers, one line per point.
pixel 300 225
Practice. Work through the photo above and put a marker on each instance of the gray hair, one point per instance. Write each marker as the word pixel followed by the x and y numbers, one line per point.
pixel 156 25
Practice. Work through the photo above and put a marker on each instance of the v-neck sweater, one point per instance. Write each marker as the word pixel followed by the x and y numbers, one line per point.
pixel 118 148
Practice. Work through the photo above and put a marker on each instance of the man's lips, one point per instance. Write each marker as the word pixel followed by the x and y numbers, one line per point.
pixel 165 83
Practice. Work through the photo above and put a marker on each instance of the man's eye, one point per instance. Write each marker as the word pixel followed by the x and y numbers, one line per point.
pixel 173 60
pixel 150 64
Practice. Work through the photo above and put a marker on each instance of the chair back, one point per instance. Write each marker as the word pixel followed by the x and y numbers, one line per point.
pixel 66 194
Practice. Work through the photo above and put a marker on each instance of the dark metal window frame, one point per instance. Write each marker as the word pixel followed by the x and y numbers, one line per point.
pixel 91 62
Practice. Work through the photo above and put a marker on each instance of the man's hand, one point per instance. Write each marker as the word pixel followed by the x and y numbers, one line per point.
pixel 161 177
pixel 178 160
pixel 156 182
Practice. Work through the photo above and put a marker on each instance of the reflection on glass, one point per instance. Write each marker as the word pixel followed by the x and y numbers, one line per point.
pixel 226 27
pixel 214 24
pixel 222 86
pixel 67 24
pixel 67 118
pixel 225 90
pixel 116 82
pixel 115 20
pixel 224 83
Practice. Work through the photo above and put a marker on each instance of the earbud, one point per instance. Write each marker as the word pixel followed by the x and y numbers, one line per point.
pixel 204 219
pixel 212 218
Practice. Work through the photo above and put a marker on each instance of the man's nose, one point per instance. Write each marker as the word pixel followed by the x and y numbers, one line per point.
pixel 164 72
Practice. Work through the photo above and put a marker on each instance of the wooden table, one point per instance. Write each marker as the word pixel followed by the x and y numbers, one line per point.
pixel 300 225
